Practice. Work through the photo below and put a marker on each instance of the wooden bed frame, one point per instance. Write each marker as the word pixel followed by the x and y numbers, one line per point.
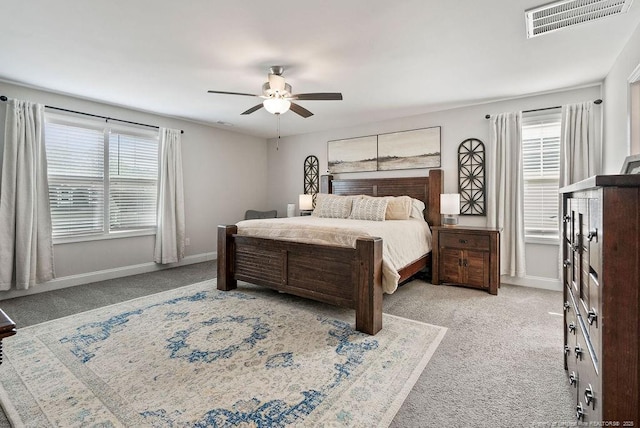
pixel 346 277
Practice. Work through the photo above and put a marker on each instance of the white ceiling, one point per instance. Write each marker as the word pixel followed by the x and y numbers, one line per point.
pixel 388 58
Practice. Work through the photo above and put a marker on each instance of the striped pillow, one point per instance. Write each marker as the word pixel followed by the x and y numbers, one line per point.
pixel 369 209
pixel 332 206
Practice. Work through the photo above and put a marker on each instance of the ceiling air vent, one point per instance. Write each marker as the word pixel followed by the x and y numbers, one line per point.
pixel 561 14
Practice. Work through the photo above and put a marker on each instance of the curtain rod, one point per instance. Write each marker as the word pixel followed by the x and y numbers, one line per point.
pixel 598 101
pixel 4 98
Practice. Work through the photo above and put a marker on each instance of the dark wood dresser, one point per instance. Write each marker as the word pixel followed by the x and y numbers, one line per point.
pixel 468 256
pixel 601 278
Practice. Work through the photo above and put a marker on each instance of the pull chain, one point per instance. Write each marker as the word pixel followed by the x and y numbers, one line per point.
pixel 278 140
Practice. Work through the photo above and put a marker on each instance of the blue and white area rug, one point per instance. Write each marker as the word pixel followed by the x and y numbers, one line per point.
pixel 195 356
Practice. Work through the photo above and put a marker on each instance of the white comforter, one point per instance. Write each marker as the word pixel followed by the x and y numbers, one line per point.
pixel 403 241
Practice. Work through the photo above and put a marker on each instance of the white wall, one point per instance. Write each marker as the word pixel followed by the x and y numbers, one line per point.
pixel 224 175
pixel 286 164
pixel 616 113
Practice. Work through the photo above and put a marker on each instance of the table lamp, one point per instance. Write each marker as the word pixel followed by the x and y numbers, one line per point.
pixel 305 202
pixel 450 207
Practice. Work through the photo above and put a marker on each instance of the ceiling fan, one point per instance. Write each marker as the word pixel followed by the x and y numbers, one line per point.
pixel 278 97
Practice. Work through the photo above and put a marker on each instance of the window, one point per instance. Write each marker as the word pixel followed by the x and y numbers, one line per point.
pixel 541 170
pixel 90 163
pixel 634 116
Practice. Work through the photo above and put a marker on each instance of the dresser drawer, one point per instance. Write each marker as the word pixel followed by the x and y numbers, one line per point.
pixel 588 408
pixel 464 241
pixel 570 329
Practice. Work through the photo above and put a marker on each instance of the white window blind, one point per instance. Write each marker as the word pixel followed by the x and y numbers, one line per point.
pixel 541 170
pixel 75 164
pixel 133 177
pixel 89 163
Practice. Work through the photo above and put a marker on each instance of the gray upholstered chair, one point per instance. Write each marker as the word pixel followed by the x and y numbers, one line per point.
pixel 253 214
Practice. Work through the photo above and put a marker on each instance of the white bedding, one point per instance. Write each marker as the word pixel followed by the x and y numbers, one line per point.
pixel 403 241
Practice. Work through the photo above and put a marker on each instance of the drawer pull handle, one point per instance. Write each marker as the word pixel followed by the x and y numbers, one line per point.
pixel 566 263
pixel 578 351
pixel 592 316
pixel 573 379
pixel 463 241
pixel 567 351
pixel 593 234
pixel 572 328
pixel 588 396
pixel 579 412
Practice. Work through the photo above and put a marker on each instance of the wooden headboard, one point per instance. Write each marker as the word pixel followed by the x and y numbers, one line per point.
pixel 426 189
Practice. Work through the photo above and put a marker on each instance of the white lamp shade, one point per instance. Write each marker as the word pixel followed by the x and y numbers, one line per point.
pixel 276 105
pixel 450 203
pixel 305 202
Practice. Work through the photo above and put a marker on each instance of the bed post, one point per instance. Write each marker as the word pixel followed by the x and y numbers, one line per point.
pixel 436 186
pixel 225 258
pixel 369 286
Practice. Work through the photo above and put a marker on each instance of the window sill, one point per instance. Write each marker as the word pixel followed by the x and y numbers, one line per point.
pixel 542 240
pixel 101 237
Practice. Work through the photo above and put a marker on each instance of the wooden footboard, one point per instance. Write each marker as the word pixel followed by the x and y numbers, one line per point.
pixel 339 276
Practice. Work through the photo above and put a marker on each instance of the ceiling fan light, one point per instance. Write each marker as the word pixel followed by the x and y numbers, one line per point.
pixel 276 105
pixel 276 83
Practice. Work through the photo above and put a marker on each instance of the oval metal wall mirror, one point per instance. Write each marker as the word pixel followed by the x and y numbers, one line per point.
pixel 471 177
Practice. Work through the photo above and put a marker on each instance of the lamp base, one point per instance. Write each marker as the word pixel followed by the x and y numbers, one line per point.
pixel 450 221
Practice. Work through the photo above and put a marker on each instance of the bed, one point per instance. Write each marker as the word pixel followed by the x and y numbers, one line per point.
pixel 341 276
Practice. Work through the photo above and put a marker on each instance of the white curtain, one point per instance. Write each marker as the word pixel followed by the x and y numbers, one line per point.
pixel 578 152
pixel 505 202
pixel 170 223
pixel 26 247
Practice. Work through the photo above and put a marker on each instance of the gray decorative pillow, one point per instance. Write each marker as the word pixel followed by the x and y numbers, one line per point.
pixel 369 209
pixel 332 206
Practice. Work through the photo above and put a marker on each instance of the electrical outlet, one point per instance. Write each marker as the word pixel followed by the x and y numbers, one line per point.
pixel 187 242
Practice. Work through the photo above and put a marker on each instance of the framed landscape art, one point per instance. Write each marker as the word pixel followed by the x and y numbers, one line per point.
pixel 418 148
pixel 352 155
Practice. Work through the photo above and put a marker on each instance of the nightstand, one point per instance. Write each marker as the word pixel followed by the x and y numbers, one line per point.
pixel 468 256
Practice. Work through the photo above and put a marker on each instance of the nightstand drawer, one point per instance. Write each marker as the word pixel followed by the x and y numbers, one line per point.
pixel 464 241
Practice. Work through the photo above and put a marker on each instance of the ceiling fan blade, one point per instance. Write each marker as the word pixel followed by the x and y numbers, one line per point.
pixel 330 96
pixel 252 109
pixel 300 110
pixel 232 93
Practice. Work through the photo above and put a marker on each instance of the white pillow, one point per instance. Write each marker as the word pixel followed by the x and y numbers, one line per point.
pixel 369 209
pixel 332 206
pixel 417 208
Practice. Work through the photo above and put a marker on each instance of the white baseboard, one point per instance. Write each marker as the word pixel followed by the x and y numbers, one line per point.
pixel 102 275
pixel 534 282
